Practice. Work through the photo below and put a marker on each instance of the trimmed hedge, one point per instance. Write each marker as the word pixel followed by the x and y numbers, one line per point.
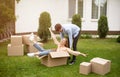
pixel 76 19
pixel 118 39
pixel 44 24
pixel 102 27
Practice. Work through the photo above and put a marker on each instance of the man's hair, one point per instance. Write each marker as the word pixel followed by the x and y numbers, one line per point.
pixel 58 27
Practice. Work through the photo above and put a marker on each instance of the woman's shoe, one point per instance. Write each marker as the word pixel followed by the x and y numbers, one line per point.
pixel 30 54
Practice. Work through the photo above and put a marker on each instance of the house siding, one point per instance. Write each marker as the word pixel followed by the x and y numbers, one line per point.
pixel 28 12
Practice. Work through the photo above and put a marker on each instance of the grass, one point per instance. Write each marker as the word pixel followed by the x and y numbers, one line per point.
pixel 31 67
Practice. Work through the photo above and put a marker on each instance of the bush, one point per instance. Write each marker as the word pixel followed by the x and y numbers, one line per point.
pixel 6 15
pixel 44 24
pixel 76 19
pixel 118 39
pixel 102 27
pixel 86 36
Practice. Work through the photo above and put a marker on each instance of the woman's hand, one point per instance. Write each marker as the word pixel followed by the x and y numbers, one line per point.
pixel 49 29
pixel 53 36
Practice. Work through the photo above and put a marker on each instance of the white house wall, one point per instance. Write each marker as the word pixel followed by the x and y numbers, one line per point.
pixel 28 12
pixel 113 13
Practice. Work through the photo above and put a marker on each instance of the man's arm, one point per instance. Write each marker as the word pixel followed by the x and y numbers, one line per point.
pixel 70 38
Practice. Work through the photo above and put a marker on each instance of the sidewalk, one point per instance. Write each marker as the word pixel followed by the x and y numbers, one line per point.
pixel 108 36
pixel 96 36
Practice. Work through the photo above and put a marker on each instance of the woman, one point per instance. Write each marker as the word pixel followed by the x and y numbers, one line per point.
pixel 61 47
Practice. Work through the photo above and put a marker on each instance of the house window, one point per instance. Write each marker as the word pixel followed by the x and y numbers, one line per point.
pixel 99 7
pixel 80 8
pixel 75 7
pixel 72 6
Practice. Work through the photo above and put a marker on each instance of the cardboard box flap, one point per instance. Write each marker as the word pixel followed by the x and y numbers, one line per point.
pixel 99 60
pixel 59 54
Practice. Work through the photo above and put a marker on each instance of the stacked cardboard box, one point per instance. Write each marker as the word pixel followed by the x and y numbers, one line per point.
pixel 55 59
pixel 16 46
pixel 29 44
pixel 26 40
pixel 100 66
pixel 85 68
pixel 31 48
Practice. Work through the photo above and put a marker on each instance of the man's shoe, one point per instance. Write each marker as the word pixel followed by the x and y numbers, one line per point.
pixel 72 62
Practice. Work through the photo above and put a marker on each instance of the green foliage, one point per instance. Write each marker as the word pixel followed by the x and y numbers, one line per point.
pixel 118 39
pixel 102 27
pixel 86 36
pixel 18 1
pixel 24 66
pixel 76 19
pixel 44 24
pixel 6 13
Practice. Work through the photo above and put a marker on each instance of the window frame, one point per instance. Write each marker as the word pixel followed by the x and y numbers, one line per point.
pixel 99 11
pixel 76 9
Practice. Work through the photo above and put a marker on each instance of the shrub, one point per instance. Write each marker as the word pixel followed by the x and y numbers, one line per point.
pixel 44 24
pixel 86 36
pixel 6 15
pixel 118 39
pixel 102 27
pixel 76 19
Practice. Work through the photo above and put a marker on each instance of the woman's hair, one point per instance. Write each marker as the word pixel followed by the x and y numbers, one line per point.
pixel 58 27
pixel 66 44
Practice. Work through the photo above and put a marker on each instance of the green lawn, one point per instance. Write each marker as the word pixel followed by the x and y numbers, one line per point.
pixel 25 66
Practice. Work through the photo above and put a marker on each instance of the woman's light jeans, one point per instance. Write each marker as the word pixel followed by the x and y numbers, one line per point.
pixel 41 49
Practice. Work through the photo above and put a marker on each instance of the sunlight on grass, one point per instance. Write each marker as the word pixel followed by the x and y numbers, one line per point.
pixel 24 66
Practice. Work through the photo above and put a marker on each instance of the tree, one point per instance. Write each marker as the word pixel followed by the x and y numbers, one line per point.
pixel 76 19
pixel 102 27
pixel 6 13
pixel 44 24
pixel 18 1
pixel 7 17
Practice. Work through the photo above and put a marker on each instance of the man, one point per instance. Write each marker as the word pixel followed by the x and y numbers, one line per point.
pixel 73 33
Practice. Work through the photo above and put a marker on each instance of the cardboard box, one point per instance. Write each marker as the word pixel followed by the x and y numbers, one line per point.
pixel 85 68
pixel 30 48
pixel 100 66
pixel 16 40
pixel 26 39
pixel 55 59
pixel 15 50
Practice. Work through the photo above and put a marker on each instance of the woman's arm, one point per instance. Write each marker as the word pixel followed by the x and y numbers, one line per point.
pixel 54 37
pixel 76 53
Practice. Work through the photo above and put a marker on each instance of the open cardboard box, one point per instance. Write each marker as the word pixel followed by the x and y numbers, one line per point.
pixel 30 48
pixel 26 39
pixel 55 59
